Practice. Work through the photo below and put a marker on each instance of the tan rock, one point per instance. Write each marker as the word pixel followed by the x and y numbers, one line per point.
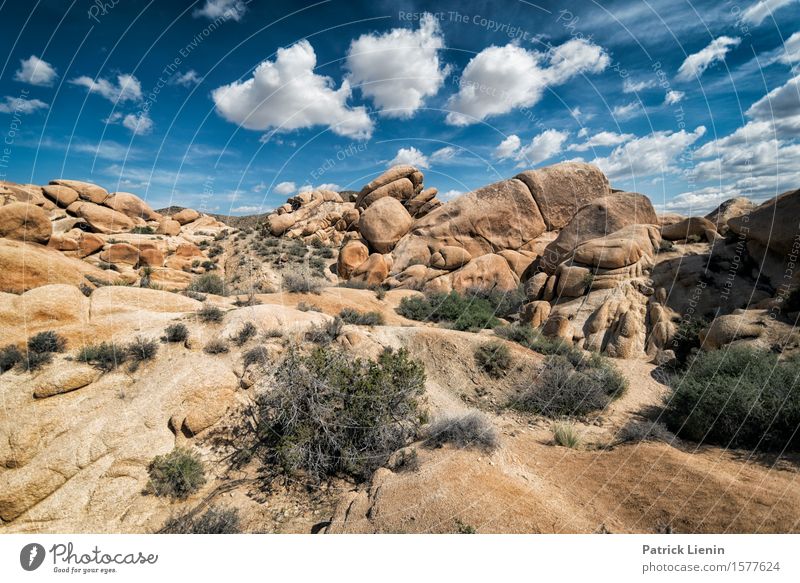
pixel 410 250
pixel 384 223
pixel 371 272
pixel 498 216
pixel 619 249
pixel 573 281
pixel 520 261
pixel 186 216
pixel 170 278
pixel 394 173
pixel 86 190
pixel 121 253
pixel 535 285
pixel 64 379
pixel 449 258
pixel 487 272
pixel 279 224
pixel 27 193
pixel 535 313
pixel 773 223
pixel 101 219
pixel 25 266
pixel 131 205
pixel 115 299
pixel 188 250
pixel 169 227
pixel 151 257
pixel 401 189
pixel 726 329
pixel 63 196
pixel 690 227
pixel 25 222
pixel 560 190
pixel 351 255
pixel 89 243
pixel 63 242
pixel 730 209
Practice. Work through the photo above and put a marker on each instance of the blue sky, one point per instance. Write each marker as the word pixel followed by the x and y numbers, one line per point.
pixel 230 106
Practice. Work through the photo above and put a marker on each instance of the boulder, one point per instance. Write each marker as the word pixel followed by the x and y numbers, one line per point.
pixel 619 249
pixel 63 242
pixel 449 258
pixel 773 223
pixel 384 223
pixel 351 255
pixel 115 299
pixel 560 190
pixel 25 222
pixel 689 227
pixel 86 190
pixel 121 253
pixel 28 193
pixel 499 216
pixel 188 250
pixel 169 227
pixel 132 206
pixel 170 278
pixel 371 272
pixel 535 313
pixel 487 272
pixel 63 196
pixel 186 216
pixel 151 257
pixel 535 285
pixel 599 218
pixel 101 219
pixel 25 266
pixel 394 173
pixel 64 379
pixel 89 243
pixel 402 189
pixel 208 400
pixel 573 281
pixel 665 219
pixel 410 250
pixel 727 329
pixel 279 224
pixel 730 209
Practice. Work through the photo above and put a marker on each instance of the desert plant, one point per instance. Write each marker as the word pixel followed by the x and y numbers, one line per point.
pixel 326 332
pixel 329 413
pixel 207 283
pixel 209 313
pixel 249 300
pixel 564 388
pixel 351 316
pixel 216 346
pixel 106 356
pixel 460 312
pixel 533 339
pixel 470 430
pixel 177 332
pixel 245 333
pixel 143 230
pixel 258 355
pixel 325 252
pixel 306 307
pixel 687 338
pixel 141 350
pixel 302 283
pixel 47 341
pixel 565 435
pixel 176 474
pixel 33 361
pixel 10 356
pixel 380 293
pixel 494 358
pixel 737 397
pixel 635 431
pixel 213 521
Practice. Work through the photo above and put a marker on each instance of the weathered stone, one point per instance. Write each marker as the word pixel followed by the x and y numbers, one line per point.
pixel 63 196
pixel 186 216
pixel 351 255
pixel 449 258
pixel 25 222
pixel 371 272
pixel 384 223
pixel 86 190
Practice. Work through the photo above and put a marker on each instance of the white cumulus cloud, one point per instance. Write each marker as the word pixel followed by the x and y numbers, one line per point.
pixel 35 71
pixel 627 111
pixel 696 64
pixel 20 105
pixel 508 147
pixel 542 147
pixel 410 156
pixel 285 188
pixel 286 94
pixel 226 9
pixel 672 97
pixel 139 125
pixel 400 68
pixel 629 86
pixel 500 79
pixel 601 140
pixel 187 79
pixel 127 87
pixel 757 12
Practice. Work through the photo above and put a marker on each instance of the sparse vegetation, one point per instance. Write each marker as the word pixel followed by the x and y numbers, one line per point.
pixel 245 333
pixel 216 346
pixel 326 332
pixel 571 388
pixel 687 338
pixel 207 283
pixel 644 430
pixel 209 313
pixel 533 339
pixel 106 356
pixel 146 230
pixel 460 312
pixel 213 521
pixel 33 361
pixel 10 356
pixel 351 316
pixel 47 341
pixel 306 307
pixel 470 430
pixel 177 332
pixel 494 358
pixel 331 414
pixel 737 397
pixel 565 435
pixel 257 355
pixel 176 474
pixel 302 283
pixel 141 350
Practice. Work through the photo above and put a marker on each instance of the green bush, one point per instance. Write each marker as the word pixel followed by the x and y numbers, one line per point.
pixel 207 283
pixel 329 413
pixel 141 350
pixel 567 388
pixel 143 230
pixel 212 521
pixel 176 333
pixel 257 355
pixel 209 313
pixel 460 312
pixel 302 283
pixel 351 316
pixel 176 474
pixel 565 435
pixel 504 302
pixel 494 358
pixel 325 253
pixel 47 341
pixel 325 333
pixel 106 356
pixel 245 333
pixel 533 339
pixel 10 356
pixel 35 360
pixel 217 346
pixel 737 397
pixel 470 430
